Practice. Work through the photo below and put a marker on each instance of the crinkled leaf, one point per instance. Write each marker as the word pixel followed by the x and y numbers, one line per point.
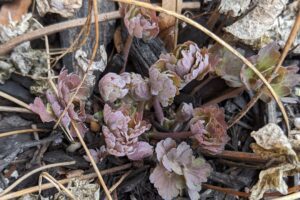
pixel 271 179
pixel 178 161
pixel 283 83
pixel 184 112
pixel 142 150
pixel 140 22
pixel 163 146
pixel 272 139
pixel 210 129
pixel 167 184
pixel 264 61
pixel 121 132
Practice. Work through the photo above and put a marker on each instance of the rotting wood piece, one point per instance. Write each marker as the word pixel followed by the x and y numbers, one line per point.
pixel 144 54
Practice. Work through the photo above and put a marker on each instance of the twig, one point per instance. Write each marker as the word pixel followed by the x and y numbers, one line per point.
pixel 174 135
pixel 220 41
pixel 9 133
pixel 52 180
pixel 228 95
pixel 92 162
pixel 119 181
pixel 63 181
pixel 238 156
pixel 287 46
pixel 19 180
pixel 14 109
pixel 15 100
pixel 226 190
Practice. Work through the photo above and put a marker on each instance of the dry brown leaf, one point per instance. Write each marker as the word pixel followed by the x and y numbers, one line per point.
pixel 13 11
pixel 271 141
pixel 65 8
pixel 294 138
pixel 234 7
pixel 260 19
pixel 272 179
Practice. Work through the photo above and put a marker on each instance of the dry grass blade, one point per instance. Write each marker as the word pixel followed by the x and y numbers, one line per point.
pixel 18 181
pixel 15 100
pixel 94 52
pixel 63 181
pixel 14 109
pixel 291 38
pixel 220 41
pixel 107 193
pixel 9 133
pixel 57 184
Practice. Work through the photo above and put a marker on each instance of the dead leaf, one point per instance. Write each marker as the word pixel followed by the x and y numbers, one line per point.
pixel 14 29
pixel 65 8
pixel 13 11
pixel 258 21
pixel 272 179
pixel 272 21
pixel 234 7
pixel 81 189
pixel 270 141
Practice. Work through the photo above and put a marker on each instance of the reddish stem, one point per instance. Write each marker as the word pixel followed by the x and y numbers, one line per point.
pixel 159 113
pixel 126 52
pixel 174 135
pixel 228 95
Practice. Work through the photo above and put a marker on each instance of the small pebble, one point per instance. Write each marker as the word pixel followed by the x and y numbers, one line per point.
pixel 73 147
pixel 297 122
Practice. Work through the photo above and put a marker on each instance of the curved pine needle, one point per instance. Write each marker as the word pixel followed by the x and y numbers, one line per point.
pixel 9 133
pixel 218 40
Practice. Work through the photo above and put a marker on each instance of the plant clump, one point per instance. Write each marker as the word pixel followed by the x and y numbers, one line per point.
pixel 56 103
pixel 178 169
pixel 121 130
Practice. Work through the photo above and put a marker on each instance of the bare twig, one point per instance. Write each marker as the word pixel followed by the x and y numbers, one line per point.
pixel 63 181
pixel 220 41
